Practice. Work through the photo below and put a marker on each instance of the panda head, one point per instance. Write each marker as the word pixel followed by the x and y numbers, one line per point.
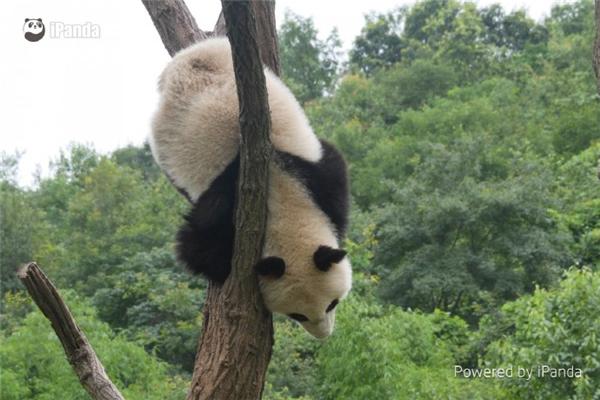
pixel 307 290
pixel 33 25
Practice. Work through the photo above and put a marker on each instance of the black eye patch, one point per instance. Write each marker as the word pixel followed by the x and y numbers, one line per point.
pixel 298 317
pixel 271 266
pixel 332 305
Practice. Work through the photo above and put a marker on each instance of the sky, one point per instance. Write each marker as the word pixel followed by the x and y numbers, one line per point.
pixel 101 91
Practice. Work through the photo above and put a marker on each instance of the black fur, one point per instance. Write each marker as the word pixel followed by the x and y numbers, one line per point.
pixel 325 256
pixel 205 241
pixel 271 266
pixel 327 182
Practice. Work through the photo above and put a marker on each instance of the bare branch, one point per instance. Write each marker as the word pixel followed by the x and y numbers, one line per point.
pixel 78 350
pixel 175 24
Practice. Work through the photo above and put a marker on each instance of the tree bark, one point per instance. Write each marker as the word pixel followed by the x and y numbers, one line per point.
pixel 220 28
pixel 235 347
pixel 175 24
pixel 596 55
pixel 264 12
pixel 78 350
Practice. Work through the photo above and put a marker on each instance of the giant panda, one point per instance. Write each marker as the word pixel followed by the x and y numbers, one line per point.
pixel 195 140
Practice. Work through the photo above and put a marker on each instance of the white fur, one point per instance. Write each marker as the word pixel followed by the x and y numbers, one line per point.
pixel 197 120
pixel 196 135
pixel 295 229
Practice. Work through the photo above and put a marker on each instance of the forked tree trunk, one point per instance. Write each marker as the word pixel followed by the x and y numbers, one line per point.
pixel 237 338
pixel 236 342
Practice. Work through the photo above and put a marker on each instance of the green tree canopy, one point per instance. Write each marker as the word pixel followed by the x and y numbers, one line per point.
pixel 309 64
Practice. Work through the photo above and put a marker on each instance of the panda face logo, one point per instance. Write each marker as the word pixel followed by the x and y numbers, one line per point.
pixel 33 29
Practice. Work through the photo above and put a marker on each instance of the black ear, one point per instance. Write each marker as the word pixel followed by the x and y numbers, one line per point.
pixel 26 19
pixel 325 256
pixel 271 266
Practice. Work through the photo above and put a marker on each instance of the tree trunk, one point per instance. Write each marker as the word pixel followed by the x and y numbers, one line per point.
pixel 235 347
pixel 596 56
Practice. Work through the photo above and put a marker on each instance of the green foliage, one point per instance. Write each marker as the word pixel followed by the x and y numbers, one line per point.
pixel 556 328
pixel 581 213
pixel 415 86
pixel 451 32
pixel 291 373
pixel 309 65
pixel 138 158
pixel 20 233
pixel 104 215
pixel 391 354
pixel 379 44
pixel 512 31
pixel 427 21
pixel 34 366
pixel 572 18
pixel 577 129
pixel 464 227
pixel 149 301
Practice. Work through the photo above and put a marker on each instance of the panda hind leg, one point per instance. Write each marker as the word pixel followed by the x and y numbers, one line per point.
pixel 205 240
pixel 205 251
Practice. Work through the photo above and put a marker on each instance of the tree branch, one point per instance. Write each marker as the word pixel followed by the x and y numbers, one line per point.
pixel 78 350
pixel 266 37
pixel 175 24
pixel 237 339
pixel 220 27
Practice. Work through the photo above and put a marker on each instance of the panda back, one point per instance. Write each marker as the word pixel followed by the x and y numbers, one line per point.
pixel 195 133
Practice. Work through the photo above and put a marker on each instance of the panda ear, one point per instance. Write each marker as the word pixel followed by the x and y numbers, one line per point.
pixel 325 256
pixel 26 19
pixel 270 266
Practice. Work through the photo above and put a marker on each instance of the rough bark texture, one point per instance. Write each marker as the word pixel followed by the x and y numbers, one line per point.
pixel 175 24
pixel 596 56
pixel 264 12
pixel 220 28
pixel 235 347
pixel 80 354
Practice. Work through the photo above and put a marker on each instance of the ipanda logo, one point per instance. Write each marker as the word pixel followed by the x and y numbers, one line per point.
pixel 34 30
